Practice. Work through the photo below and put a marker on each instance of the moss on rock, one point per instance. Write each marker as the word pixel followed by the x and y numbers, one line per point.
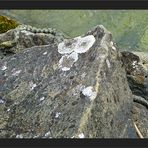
pixel 7 24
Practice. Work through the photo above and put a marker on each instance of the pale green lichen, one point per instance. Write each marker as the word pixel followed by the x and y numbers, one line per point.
pixel 84 43
pixel 71 48
pixel 67 61
pixel 89 93
pixel 78 44
pixel 67 46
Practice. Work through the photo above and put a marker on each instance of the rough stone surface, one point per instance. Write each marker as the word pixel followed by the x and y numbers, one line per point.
pixel 15 40
pixel 39 100
pixel 135 64
pixel 140 117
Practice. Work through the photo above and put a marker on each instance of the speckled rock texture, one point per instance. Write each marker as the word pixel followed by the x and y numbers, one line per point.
pixel 135 64
pixel 15 40
pixel 92 99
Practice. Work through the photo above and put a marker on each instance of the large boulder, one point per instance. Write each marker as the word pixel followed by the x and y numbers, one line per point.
pixel 73 89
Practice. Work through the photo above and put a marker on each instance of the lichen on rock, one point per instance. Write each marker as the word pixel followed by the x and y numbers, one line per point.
pixel 70 48
pixel 78 44
pixel 84 43
pixel 67 46
pixel 89 93
pixel 67 61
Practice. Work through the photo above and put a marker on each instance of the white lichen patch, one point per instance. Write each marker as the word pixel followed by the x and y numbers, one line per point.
pixel 74 56
pixel 32 85
pixel 78 44
pixel 16 73
pixel 42 98
pixel 108 63
pixel 4 67
pixel 112 45
pixel 65 68
pixel 89 93
pixel 67 61
pixel 19 136
pixel 8 109
pixel 84 44
pixel 2 101
pixel 134 63
pixel 45 53
pixel 47 134
pixel 57 115
pixel 83 75
pixel 81 135
pixel 67 46
pixel 70 49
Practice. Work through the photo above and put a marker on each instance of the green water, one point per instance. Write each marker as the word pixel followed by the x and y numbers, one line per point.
pixel 129 27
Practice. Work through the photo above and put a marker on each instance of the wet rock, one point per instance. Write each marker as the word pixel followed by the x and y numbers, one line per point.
pixel 86 101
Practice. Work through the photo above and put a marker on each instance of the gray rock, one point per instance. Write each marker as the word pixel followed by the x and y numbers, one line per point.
pixel 90 99
pixel 136 69
pixel 24 36
pixel 140 117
